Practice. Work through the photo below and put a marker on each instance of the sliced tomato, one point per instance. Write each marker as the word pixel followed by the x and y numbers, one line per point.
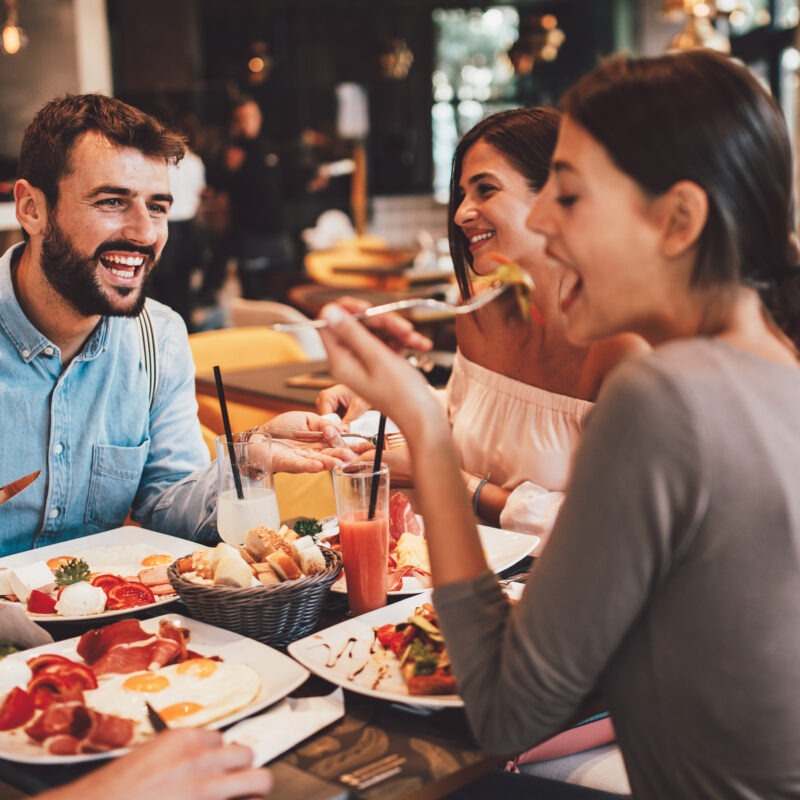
pixel 385 634
pixel 48 687
pixel 47 662
pixel 105 580
pixel 129 595
pixel 16 710
pixel 41 603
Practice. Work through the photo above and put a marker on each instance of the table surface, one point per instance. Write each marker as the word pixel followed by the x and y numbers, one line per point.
pixel 377 751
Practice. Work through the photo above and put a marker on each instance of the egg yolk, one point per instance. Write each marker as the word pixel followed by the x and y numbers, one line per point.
pixel 179 710
pixel 157 560
pixel 146 682
pixel 197 667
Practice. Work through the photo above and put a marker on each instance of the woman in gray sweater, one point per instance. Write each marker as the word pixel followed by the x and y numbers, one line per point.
pixel 671 582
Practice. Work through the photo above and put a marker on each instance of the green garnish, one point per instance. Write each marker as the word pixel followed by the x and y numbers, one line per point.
pixel 308 527
pixel 425 658
pixel 6 648
pixel 73 571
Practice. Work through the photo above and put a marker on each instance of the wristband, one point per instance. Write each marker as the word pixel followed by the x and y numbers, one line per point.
pixel 477 494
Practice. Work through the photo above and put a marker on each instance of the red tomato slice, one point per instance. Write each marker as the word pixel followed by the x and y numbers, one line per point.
pixel 41 603
pixel 47 662
pixel 47 687
pixel 105 580
pixel 17 709
pixel 128 595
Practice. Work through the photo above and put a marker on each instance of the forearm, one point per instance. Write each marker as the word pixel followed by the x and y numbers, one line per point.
pixel 453 543
pixel 487 499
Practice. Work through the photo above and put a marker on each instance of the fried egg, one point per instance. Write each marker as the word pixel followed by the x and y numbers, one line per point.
pixel 186 695
pixel 124 559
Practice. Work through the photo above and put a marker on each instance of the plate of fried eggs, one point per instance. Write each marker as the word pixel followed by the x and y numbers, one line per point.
pixel 231 677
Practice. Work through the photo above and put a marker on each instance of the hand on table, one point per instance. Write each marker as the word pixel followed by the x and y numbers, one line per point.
pixel 341 400
pixel 183 764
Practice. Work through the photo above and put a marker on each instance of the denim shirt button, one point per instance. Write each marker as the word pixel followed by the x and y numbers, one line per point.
pixel 53 513
pixel 26 353
pixel 58 449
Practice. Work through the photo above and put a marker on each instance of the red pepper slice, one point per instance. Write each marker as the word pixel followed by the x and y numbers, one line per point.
pixel 105 580
pixel 47 687
pixel 47 662
pixel 128 595
pixel 41 603
pixel 17 709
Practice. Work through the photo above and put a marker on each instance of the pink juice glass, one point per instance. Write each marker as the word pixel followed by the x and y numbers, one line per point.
pixel 365 542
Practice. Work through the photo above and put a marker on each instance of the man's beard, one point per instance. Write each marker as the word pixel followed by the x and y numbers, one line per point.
pixel 75 277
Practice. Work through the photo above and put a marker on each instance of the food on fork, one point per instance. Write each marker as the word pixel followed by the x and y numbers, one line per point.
pixel 512 274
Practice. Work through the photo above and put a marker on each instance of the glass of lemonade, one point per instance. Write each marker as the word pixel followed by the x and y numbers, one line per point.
pixel 365 541
pixel 258 506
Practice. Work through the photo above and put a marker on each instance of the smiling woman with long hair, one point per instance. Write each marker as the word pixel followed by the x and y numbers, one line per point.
pixel 671 581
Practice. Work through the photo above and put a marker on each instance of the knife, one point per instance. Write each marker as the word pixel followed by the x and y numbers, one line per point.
pixel 156 720
pixel 15 487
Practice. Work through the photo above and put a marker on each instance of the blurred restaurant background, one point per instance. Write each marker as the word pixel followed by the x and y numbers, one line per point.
pixel 365 100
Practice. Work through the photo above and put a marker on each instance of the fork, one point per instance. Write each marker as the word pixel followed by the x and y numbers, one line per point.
pixel 390 440
pixel 466 307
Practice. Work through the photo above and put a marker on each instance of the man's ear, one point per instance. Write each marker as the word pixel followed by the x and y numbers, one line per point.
pixel 686 206
pixel 31 207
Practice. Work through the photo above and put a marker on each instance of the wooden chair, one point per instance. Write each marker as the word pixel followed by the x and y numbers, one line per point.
pixel 239 348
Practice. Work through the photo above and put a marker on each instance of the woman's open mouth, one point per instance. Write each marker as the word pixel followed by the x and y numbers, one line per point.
pixel 570 289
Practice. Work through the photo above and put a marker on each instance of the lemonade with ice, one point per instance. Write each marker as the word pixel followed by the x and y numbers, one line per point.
pixel 235 517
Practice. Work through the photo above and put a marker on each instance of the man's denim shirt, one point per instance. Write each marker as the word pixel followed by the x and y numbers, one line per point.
pixel 89 429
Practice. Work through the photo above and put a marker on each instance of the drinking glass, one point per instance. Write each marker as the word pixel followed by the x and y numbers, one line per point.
pixel 364 540
pixel 258 506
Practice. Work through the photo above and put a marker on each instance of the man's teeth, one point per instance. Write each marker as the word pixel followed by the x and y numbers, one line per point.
pixel 126 261
pixel 481 237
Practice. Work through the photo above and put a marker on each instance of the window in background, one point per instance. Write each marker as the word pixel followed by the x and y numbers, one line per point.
pixel 473 76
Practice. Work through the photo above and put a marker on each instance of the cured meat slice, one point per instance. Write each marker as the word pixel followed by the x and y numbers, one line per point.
pixel 62 745
pixel 95 643
pixel 70 719
pixel 123 658
pixel 402 518
pixel 107 733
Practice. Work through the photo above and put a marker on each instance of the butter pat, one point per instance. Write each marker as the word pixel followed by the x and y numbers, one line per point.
pixel 23 580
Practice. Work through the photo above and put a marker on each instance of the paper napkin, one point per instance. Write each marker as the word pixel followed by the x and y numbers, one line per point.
pixel 284 725
pixel 19 629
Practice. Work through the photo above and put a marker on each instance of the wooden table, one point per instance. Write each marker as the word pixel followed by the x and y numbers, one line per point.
pixel 266 387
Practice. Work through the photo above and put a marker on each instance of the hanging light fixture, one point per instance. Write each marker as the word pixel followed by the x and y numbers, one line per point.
pixel 699 31
pixel 14 38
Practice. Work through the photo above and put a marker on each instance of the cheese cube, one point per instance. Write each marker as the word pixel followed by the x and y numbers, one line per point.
pixel 5 587
pixel 23 580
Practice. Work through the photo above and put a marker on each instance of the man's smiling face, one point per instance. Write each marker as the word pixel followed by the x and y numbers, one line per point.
pixel 108 227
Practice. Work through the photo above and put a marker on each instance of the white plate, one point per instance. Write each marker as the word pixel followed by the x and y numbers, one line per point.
pixel 502 548
pixel 279 674
pixel 113 541
pixel 381 677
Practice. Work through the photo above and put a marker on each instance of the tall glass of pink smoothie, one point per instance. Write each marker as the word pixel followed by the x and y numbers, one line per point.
pixel 364 540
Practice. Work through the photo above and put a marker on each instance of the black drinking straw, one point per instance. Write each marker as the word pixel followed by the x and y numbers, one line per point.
pixel 228 435
pixel 376 465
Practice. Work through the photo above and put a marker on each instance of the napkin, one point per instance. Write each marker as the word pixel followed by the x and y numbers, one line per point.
pixel 19 629
pixel 284 725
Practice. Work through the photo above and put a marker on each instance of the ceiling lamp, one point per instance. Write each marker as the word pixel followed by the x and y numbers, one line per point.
pixel 699 31
pixel 14 38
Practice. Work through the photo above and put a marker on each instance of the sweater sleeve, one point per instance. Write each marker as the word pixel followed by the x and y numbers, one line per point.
pixel 524 670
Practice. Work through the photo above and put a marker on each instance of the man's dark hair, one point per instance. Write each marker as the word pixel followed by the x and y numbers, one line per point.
pixel 45 155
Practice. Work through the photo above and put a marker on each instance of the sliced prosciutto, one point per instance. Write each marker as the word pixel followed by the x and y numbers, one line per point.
pixel 70 728
pixel 95 643
pixel 402 518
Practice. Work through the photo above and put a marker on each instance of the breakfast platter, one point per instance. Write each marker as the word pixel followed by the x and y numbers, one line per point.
pixel 226 677
pixel 123 553
pixel 349 655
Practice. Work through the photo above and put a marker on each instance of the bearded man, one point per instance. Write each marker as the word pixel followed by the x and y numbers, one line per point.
pixel 75 396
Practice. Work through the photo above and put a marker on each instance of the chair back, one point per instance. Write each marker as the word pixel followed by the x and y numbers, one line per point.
pixel 245 313
pixel 239 348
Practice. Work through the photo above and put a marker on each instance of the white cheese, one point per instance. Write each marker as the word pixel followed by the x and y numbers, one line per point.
pixel 23 580
pixel 5 586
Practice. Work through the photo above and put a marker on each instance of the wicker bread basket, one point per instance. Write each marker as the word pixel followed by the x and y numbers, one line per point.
pixel 276 614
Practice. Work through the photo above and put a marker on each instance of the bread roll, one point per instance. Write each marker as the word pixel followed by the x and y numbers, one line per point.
pixel 262 541
pixel 233 571
pixel 267 575
pixel 311 560
pixel 284 566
